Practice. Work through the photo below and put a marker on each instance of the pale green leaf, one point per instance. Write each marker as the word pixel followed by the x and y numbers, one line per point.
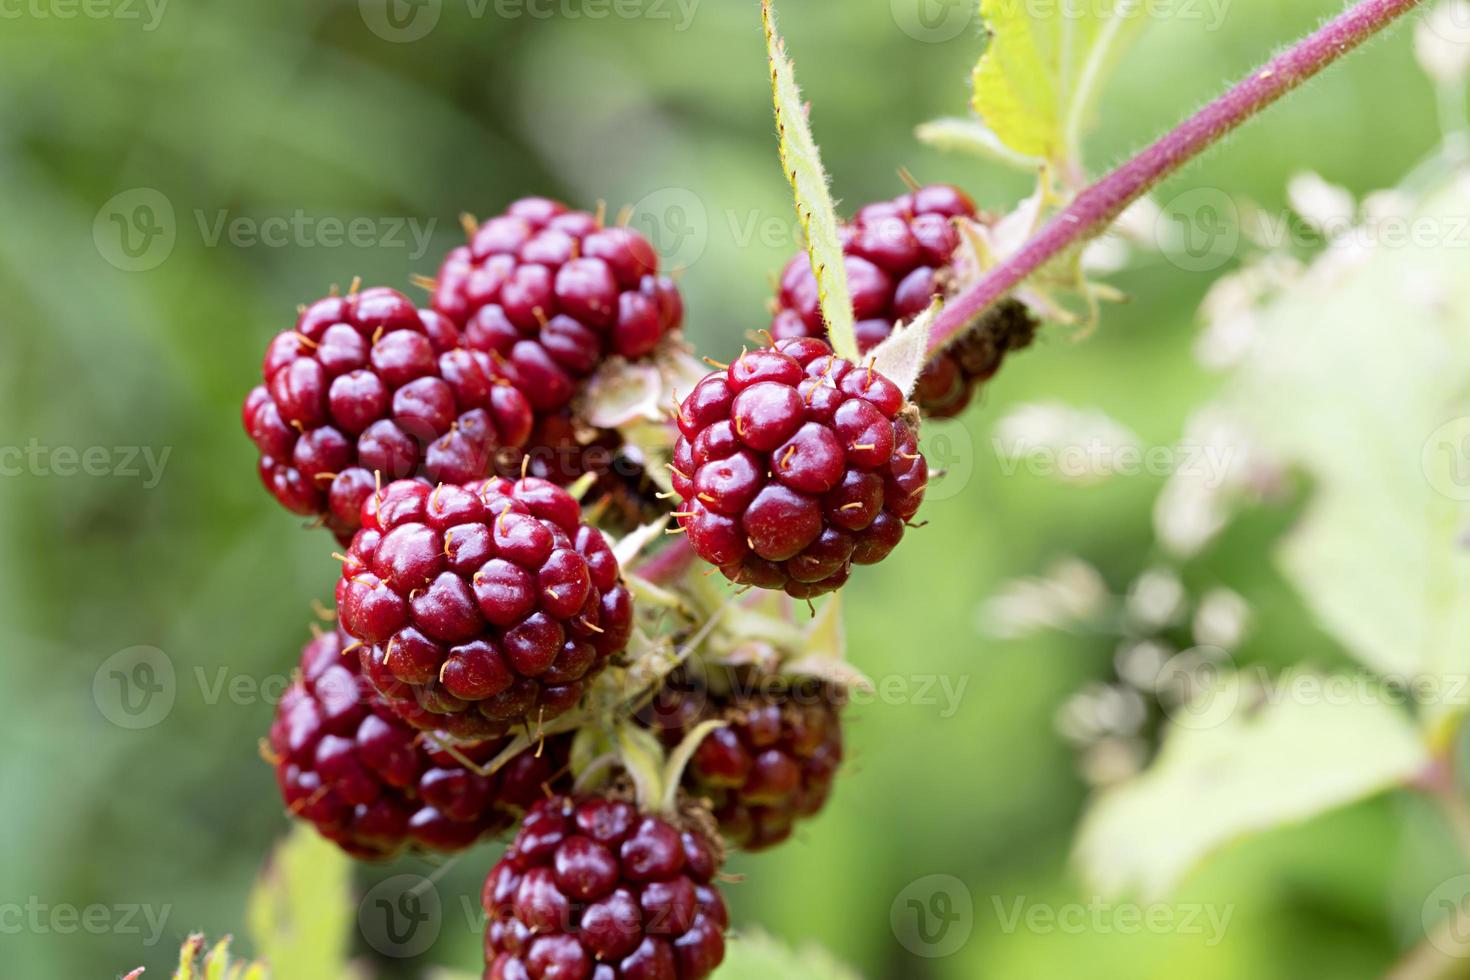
pixel 802 163
pixel 1360 378
pixel 301 913
pixel 754 955
pixel 972 136
pixel 1043 69
pixel 1250 760
pixel 903 354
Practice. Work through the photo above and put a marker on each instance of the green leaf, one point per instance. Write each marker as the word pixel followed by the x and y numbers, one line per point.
pixel 902 355
pixel 1043 70
pixel 753 955
pixel 217 964
pixel 972 136
pixel 1359 376
pixel 802 164
pixel 1255 759
pixel 300 915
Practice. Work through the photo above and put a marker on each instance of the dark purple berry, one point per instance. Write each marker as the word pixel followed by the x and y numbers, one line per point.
pixel 789 461
pixel 367 387
pixel 481 607
pixel 899 256
pixel 772 764
pixel 591 890
pixel 372 784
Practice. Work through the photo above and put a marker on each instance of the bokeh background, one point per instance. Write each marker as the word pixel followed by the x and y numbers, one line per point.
pixel 214 117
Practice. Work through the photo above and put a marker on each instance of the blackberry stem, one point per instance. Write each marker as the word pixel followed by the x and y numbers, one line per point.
pixel 1097 206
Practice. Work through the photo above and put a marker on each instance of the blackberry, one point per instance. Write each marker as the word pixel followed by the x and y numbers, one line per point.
pixel 368 387
pixel 794 464
pixel 593 889
pixel 555 293
pixel 774 761
pixel 900 255
pixel 481 607
pixel 373 785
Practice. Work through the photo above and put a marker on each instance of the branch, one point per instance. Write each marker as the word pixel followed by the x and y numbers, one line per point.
pixel 1095 208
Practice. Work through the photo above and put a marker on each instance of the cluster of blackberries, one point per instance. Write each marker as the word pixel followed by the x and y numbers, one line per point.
pixel 478 601
pixel 900 255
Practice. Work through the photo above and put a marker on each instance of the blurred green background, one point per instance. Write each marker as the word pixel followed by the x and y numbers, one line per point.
pixel 211 112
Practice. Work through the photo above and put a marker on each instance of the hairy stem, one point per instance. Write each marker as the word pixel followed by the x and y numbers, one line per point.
pixel 1095 208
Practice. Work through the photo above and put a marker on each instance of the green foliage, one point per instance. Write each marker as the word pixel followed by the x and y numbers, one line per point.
pixel 301 913
pixel 1360 378
pixel 802 163
pixel 1251 759
pixel 754 955
pixel 216 964
pixel 1043 70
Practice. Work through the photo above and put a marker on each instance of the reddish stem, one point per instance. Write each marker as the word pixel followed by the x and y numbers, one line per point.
pixel 1095 208
pixel 669 564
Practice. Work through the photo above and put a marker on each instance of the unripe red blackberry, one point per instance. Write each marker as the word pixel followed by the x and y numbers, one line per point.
pixel 555 293
pixel 374 785
pixel 774 761
pixel 794 464
pixel 481 607
pixel 593 889
pixel 368 387
pixel 900 256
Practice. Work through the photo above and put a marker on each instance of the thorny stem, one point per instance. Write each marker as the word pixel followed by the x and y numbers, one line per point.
pixel 1095 208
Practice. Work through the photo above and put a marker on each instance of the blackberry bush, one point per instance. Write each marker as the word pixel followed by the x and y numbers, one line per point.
pixel 481 607
pixel 593 888
pixel 773 761
pixel 793 464
pixel 370 783
pixel 365 388
pixel 900 255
